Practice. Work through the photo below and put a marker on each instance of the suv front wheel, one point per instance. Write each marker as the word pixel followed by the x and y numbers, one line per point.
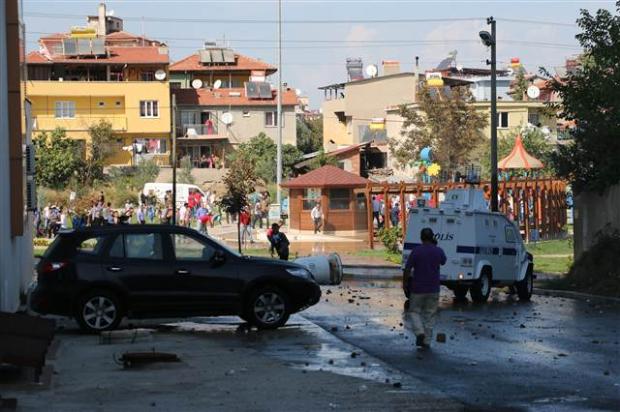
pixel 98 311
pixel 267 308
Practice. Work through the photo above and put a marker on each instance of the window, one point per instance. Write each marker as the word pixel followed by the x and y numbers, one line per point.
pixel 118 103
pixel 90 246
pixel 311 197
pixel 175 85
pixel 118 248
pixel 533 118
pixel 144 246
pixel 149 108
pixel 360 201
pixel 147 76
pixel 510 234
pixel 339 199
pixel 101 104
pixel 246 113
pixel 65 110
pixel 189 248
pixel 271 119
pixel 502 119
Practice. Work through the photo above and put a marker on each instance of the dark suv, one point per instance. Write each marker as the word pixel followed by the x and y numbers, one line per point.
pixel 99 275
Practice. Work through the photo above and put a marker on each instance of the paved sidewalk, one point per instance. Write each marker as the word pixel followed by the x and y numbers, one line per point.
pixel 217 372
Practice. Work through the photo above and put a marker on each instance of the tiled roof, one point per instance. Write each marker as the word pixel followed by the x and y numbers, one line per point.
pixel 325 177
pixel 120 55
pixel 243 63
pixel 222 97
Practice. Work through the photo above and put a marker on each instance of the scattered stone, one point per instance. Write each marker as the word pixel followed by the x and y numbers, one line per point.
pixel 328 292
pixel 522 326
pixel 331 361
pixel 492 336
pixel 230 372
pixel 334 328
pixel 606 373
pixel 562 355
pixel 354 354
pixel 441 338
pixel 347 327
pixel 595 342
pixel 351 300
pixel 473 363
pixel 362 388
pixel 362 363
pixel 397 385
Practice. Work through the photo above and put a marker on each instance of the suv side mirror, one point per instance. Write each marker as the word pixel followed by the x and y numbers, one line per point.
pixel 218 257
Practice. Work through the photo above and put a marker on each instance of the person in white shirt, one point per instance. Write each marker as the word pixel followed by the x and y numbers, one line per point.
pixel 63 219
pixel 317 217
pixel 182 214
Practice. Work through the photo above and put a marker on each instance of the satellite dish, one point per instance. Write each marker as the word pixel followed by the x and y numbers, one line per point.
pixel 196 83
pixel 227 118
pixel 160 75
pixel 533 92
pixel 217 84
pixel 459 67
pixel 298 92
pixel 372 70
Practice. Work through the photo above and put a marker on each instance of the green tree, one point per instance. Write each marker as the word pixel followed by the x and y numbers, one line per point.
pixel 58 159
pixel 590 97
pixel 445 120
pixel 240 182
pixel 100 148
pixel 262 151
pixel 521 85
pixel 322 159
pixel 309 134
pixel 535 143
pixel 185 176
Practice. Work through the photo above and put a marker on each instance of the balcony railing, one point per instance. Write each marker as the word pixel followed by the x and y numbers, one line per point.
pixel 79 122
pixel 195 130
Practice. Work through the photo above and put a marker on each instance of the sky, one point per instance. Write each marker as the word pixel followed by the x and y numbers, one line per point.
pixel 319 35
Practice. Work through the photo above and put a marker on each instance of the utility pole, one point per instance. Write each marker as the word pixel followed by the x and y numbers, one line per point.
pixel 490 40
pixel 279 111
pixel 494 182
pixel 174 158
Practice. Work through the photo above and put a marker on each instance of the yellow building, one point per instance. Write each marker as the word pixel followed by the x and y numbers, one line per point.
pixel 75 82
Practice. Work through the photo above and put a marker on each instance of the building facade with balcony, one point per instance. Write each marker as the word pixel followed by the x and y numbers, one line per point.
pixel 76 82
pixel 224 99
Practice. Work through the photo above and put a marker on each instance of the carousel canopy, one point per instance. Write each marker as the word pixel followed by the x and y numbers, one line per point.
pixel 519 158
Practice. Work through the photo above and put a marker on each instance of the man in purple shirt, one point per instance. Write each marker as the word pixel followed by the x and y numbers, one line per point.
pixel 423 269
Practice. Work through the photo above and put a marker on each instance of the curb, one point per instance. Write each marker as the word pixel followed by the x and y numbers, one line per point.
pixel 383 272
pixel 576 295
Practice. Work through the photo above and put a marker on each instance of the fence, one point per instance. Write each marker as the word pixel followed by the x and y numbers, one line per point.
pixel 537 206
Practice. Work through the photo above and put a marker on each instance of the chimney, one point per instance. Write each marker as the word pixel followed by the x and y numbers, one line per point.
pixel 101 20
pixel 391 67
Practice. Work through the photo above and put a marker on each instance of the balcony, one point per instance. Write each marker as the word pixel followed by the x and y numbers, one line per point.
pixel 79 123
pixel 198 131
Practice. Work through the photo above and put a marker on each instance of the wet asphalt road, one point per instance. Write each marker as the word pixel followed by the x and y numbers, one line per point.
pixel 545 355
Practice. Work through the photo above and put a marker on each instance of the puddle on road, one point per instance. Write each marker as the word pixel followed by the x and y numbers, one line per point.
pixel 300 344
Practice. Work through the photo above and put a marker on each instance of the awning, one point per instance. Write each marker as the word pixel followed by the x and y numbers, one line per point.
pixel 519 158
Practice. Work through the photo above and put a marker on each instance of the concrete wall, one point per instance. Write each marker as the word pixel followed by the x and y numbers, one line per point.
pixel 594 213
pixel 15 251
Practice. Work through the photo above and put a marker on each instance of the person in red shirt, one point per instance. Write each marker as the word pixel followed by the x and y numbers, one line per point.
pixel 246 227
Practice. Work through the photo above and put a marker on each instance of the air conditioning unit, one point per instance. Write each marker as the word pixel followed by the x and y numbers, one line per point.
pixel 29 154
pixel 31 194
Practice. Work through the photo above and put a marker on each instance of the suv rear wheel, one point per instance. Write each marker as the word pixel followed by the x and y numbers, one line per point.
pixel 98 310
pixel 481 290
pixel 267 308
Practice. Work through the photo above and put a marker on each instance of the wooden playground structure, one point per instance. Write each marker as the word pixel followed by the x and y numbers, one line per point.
pixel 537 206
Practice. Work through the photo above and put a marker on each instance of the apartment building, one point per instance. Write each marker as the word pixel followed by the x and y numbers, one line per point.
pixel 100 72
pixel 15 221
pixel 223 99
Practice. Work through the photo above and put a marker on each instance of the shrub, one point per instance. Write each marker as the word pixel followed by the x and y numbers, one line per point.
pixel 390 237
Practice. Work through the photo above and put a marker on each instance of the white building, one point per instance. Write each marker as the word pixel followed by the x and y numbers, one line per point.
pixel 16 256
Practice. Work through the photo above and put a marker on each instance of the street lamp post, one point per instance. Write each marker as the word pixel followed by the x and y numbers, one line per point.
pixel 279 113
pixel 489 40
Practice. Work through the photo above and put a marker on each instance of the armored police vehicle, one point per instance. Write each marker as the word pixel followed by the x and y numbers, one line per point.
pixel 483 249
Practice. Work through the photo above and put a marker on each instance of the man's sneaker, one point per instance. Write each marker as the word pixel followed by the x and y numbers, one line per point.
pixel 419 340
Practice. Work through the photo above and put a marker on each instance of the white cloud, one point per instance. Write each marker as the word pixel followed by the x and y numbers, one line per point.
pixel 360 33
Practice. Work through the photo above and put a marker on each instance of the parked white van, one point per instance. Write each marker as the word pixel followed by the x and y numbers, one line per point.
pixel 483 248
pixel 160 189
